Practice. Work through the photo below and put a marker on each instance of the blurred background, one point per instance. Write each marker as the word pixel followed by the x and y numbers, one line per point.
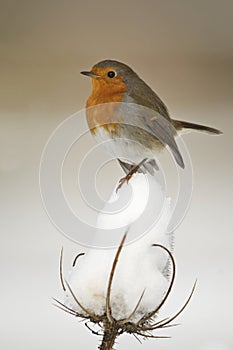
pixel 184 51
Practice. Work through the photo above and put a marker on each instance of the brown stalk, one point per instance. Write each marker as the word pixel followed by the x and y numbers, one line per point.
pixel 108 306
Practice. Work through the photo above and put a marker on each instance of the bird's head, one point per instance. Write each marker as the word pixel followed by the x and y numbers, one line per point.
pixel 109 77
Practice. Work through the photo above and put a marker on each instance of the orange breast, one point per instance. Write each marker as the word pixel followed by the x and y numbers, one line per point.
pixel 101 106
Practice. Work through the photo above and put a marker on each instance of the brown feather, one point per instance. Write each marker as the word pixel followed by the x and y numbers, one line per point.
pixel 180 124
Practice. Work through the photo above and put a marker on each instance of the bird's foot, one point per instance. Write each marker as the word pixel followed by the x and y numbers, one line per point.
pixel 133 171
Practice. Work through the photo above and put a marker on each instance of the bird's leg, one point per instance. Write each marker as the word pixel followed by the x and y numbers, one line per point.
pixel 130 174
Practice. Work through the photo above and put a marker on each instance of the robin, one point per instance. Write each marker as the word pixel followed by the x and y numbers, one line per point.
pixel 124 109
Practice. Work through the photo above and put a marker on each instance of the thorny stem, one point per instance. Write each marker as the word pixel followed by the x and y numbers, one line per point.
pixel 109 337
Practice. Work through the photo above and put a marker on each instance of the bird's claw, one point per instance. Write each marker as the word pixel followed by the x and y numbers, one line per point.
pixel 123 180
pixel 130 174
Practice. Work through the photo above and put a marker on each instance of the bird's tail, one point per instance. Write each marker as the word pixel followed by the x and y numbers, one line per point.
pixel 180 124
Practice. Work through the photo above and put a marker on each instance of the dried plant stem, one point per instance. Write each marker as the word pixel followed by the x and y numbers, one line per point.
pixel 111 332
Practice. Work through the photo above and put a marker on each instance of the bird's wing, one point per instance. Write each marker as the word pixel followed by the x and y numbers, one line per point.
pixel 165 132
pixel 143 95
pixel 155 124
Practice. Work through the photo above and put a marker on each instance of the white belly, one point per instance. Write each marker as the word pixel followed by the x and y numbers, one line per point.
pixel 123 148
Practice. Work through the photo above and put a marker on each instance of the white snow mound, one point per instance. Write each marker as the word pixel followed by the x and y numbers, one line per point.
pixel 141 267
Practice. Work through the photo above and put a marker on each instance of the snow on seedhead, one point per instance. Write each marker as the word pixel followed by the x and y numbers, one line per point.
pixel 138 208
pixel 141 267
pixel 122 289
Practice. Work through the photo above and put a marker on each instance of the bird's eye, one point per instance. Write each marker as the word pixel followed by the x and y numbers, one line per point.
pixel 111 74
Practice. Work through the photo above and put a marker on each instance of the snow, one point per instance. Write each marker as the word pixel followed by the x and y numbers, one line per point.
pixel 141 267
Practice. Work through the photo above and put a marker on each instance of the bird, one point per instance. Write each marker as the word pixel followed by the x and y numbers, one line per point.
pixel 124 110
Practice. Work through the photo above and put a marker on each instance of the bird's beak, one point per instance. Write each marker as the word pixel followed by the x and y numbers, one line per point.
pixel 90 74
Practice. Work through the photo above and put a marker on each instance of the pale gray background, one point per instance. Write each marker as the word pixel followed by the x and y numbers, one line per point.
pixel 184 50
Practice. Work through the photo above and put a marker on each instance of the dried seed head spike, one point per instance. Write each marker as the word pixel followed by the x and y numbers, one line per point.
pixel 108 306
pixel 172 318
pixel 134 310
pixel 137 338
pixel 153 336
pixel 60 269
pixel 171 325
pixel 76 258
pixel 163 323
pixel 90 314
pixel 67 309
pixel 153 313
pixel 92 330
